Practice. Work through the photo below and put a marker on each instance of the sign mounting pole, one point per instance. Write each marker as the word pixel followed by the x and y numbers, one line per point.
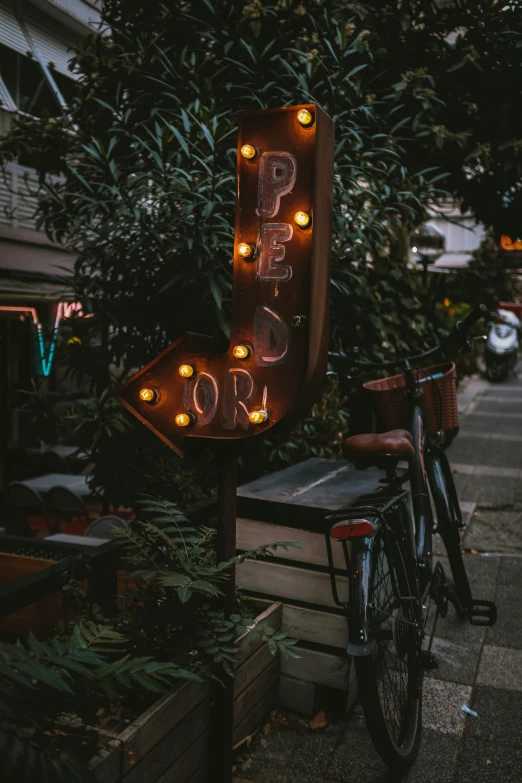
pixel 278 350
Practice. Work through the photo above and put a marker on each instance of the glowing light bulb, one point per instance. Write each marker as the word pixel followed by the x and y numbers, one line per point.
pixel 305 117
pixel 245 250
pixel 302 219
pixel 183 420
pixel 241 351
pixel 186 370
pixel 414 249
pixel 248 151
pixel 258 417
pixel 148 395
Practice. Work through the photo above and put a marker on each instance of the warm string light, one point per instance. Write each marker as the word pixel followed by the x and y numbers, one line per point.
pixel 302 219
pixel 183 420
pixel 245 250
pixel 148 395
pixel 241 351
pixel 258 417
pixel 305 117
pixel 186 370
pixel 248 151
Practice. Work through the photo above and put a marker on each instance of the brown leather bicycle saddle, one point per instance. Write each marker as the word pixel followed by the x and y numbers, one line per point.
pixel 396 443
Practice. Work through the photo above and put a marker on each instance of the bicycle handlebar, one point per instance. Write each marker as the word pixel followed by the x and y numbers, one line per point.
pixel 457 336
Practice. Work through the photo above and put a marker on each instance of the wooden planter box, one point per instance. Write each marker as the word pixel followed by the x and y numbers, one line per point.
pixel 170 740
pixel 39 617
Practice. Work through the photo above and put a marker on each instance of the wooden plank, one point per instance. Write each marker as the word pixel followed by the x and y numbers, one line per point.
pixel 245 645
pixel 41 616
pixel 153 724
pixel 298 496
pixel 297 695
pixel 252 533
pixel 254 692
pixel 317 666
pixel 201 776
pixel 252 668
pixel 13 567
pixel 151 727
pixel 182 771
pixel 164 758
pixel 256 714
pixel 289 582
pixel 312 625
pixel 107 764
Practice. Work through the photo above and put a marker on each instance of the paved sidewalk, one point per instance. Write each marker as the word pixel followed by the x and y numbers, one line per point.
pixel 479 667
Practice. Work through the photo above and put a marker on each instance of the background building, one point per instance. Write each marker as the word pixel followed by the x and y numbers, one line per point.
pixel 36 37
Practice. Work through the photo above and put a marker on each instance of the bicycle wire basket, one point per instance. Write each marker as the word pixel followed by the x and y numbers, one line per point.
pixel 439 399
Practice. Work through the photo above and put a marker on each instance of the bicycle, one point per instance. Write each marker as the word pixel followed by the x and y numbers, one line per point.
pixel 393 583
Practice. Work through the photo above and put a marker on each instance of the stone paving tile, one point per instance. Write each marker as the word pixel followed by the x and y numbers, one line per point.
pixel 471 422
pixel 507 632
pixel 457 662
pixel 486 491
pixel 285 752
pixel 499 716
pixel 482 575
pixel 508 404
pixel 355 761
pixel 265 772
pixel 441 706
pixel 501 667
pixel 494 531
pixel 500 453
pixel 315 748
pixel 505 763
pixel 504 426
pixel 468 450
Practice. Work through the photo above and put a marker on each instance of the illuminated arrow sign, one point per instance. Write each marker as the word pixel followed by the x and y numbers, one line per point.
pixel 278 350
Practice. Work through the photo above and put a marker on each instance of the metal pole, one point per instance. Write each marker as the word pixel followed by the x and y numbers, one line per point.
pixel 222 717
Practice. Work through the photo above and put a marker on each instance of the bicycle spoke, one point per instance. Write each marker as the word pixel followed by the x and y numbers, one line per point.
pixel 391 624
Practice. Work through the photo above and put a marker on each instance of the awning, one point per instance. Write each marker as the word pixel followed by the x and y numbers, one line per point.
pixel 453 260
pixel 22 257
pixel 32 291
pixel 51 40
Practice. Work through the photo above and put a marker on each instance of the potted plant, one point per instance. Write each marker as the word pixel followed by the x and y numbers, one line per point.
pixel 123 694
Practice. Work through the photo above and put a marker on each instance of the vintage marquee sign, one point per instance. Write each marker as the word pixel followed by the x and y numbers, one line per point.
pixel 278 349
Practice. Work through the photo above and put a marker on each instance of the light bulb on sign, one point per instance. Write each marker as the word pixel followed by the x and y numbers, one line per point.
pixel 258 417
pixel 302 219
pixel 183 420
pixel 148 395
pixel 248 151
pixel 241 351
pixel 245 250
pixel 305 117
pixel 186 370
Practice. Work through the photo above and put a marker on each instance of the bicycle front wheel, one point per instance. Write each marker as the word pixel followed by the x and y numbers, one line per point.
pixel 390 679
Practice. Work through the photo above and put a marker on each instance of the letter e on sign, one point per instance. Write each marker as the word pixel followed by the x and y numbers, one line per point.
pixel 281 279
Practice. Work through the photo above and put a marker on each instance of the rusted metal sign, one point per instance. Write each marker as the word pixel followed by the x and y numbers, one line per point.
pixel 278 349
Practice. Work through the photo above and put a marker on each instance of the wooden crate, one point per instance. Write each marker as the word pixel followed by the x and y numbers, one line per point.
pixel 39 617
pixel 170 740
pixel 290 506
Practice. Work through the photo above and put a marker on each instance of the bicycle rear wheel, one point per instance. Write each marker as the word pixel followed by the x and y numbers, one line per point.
pixel 390 679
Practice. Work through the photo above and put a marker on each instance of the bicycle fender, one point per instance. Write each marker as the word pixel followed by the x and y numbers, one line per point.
pixel 361 642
